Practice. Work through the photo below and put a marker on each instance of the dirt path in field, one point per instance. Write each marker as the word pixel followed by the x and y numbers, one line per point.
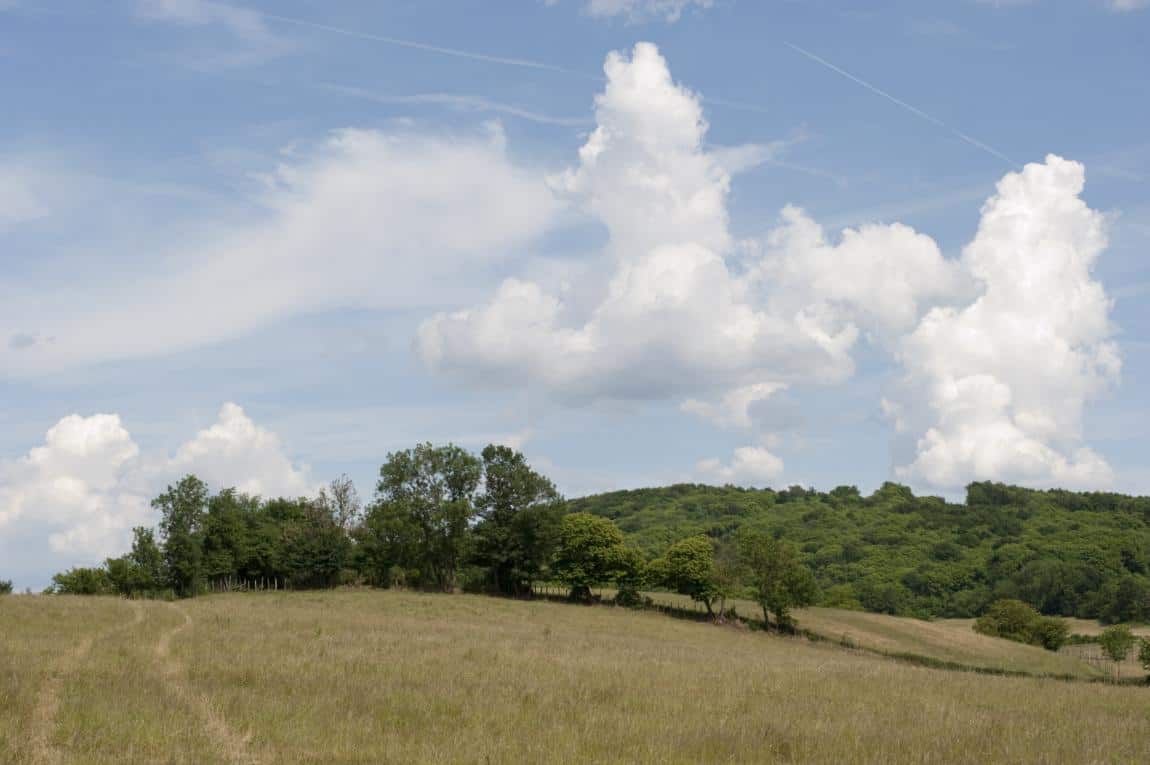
pixel 41 748
pixel 232 744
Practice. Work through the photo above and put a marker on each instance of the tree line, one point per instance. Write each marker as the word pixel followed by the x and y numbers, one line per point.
pixel 1084 554
pixel 442 519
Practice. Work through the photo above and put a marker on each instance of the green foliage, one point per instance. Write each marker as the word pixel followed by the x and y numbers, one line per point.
pixel 82 581
pixel 1144 653
pixel 1064 553
pixel 182 510
pixel 1014 620
pixel 590 553
pixel 778 578
pixel 5 586
pixel 690 570
pixel 427 495
pixel 1116 642
pixel 520 512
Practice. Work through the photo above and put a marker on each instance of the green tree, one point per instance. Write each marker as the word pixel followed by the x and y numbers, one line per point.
pixel 82 581
pixel 1010 619
pixel 520 512
pixel 690 570
pixel 1116 643
pixel 315 546
pixel 1144 654
pixel 432 489
pixel 182 510
pixel 590 553
pixel 5 586
pixel 778 578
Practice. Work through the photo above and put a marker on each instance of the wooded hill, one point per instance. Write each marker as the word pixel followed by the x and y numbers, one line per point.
pixel 1065 553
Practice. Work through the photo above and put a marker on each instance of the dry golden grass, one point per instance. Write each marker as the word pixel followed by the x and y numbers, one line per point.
pixel 390 677
pixel 946 640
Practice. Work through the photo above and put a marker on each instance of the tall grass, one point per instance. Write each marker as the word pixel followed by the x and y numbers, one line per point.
pixel 390 677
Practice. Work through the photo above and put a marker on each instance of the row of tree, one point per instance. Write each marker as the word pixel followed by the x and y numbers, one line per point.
pixel 442 519
pixel 1064 553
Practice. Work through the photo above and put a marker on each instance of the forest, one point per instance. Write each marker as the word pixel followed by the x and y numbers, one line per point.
pixel 443 519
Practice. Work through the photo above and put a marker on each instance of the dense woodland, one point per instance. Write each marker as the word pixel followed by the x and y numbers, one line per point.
pixel 444 519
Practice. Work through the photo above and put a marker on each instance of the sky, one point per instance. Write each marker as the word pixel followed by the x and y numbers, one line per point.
pixel 643 241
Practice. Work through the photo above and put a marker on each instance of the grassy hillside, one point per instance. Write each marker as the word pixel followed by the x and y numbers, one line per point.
pixel 370 677
pixel 1067 554
pixel 944 640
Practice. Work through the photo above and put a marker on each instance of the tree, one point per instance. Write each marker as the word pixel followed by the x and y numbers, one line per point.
pixel 690 570
pixel 341 502
pixel 82 581
pixel 778 578
pixel 182 509
pixel 590 552
pixel 1116 643
pixel 1014 620
pixel 1144 654
pixel 520 512
pixel 432 489
pixel 5 586
pixel 315 546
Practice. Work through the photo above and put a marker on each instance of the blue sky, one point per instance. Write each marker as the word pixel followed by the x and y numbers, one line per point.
pixel 270 242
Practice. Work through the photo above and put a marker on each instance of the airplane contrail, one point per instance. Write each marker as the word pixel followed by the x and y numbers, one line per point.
pixel 910 108
pixel 544 66
pixel 415 45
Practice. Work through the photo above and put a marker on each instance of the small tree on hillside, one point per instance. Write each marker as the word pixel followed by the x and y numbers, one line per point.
pixel 1144 655
pixel 590 552
pixel 689 569
pixel 779 579
pixel 1116 643
pixel 5 587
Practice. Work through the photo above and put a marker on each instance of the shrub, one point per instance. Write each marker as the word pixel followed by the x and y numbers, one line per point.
pixel 1015 620
pixel 5 587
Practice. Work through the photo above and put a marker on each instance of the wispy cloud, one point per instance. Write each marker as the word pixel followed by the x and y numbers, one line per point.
pixel 247 26
pixel 460 102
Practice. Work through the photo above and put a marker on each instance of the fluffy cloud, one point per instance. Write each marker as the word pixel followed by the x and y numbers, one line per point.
pixel 997 388
pixel 236 452
pixel 681 314
pixel 80 483
pixel 89 485
pixel 749 466
pixel 641 10
pixel 368 219
pixel 1002 350
pixel 732 410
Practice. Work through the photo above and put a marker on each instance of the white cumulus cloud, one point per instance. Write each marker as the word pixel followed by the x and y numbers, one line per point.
pixel 749 466
pixel 681 313
pixel 89 484
pixel 998 388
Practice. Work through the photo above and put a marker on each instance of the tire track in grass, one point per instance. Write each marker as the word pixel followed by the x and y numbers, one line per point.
pixel 42 750
pixel 232 744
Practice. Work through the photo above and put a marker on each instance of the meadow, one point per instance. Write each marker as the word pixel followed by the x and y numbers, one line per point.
pixel 368 676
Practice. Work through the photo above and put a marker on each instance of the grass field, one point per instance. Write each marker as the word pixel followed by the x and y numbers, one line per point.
pixel 393 677
pixel 944 640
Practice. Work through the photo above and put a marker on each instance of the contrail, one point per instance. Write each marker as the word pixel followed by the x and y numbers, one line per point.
pixel 400 42
pixel 912 109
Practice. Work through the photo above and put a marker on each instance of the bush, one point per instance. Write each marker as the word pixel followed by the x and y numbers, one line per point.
pixel 5 587
pixel 1015 620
